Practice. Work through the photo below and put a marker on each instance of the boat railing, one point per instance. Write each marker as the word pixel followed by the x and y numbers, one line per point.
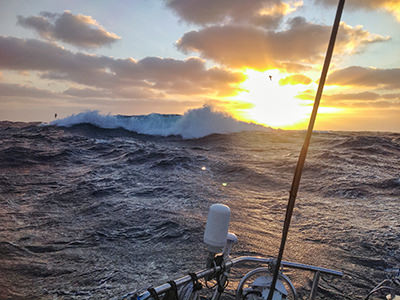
pixel 229 263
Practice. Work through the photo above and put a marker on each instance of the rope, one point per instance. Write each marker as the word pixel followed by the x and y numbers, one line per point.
pixel 197 286
pixel 172 293
pixel 153 293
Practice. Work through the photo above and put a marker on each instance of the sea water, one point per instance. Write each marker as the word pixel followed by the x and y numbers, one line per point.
pixel 96 206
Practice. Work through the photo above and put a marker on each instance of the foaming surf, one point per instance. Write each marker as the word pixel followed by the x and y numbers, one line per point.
pixel 195 123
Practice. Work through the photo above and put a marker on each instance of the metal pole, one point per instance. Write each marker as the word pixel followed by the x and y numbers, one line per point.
pixel 314 287
pixel 303 153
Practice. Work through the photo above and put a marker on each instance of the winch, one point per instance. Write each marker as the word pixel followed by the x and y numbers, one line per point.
pixel 259 289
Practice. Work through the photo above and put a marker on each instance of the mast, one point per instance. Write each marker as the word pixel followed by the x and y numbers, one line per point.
pixel 304 149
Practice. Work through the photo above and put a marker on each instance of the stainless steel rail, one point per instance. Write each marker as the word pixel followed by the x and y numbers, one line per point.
pixel 287 264
pixel 235 261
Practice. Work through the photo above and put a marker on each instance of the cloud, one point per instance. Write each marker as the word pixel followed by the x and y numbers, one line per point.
pixel 295 79
pixel 307 95
pixel 120 93
pixel 364 104
pixel 362 99
pixel 87 93
pixel 149 76
pixel 18 90
pixel 366 77
pixel 78 30
pixel 391 6
pixel 293 49
pixel 354 96
pixel 393 96
pixel 180 76
pixel 266 13
pixel 359 99
pixel 379 104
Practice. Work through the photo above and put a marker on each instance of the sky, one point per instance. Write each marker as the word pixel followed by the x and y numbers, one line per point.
pixel 259 61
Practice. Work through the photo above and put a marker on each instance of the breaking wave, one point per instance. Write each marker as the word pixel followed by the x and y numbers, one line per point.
pixel 195 123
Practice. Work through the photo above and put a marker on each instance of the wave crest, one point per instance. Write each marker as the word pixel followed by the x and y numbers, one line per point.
pixel 195 123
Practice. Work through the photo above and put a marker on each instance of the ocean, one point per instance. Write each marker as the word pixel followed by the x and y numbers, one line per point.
pixel 96 206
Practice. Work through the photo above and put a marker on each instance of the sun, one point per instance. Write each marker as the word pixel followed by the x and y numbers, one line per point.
pixel 270 103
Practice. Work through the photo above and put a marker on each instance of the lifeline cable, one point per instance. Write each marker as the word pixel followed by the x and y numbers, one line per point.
pixel 304 149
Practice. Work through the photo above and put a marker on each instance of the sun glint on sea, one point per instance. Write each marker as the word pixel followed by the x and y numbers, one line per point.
pixel 274 104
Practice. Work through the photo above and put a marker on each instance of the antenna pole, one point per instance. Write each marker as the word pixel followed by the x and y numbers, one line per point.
pixel 304 149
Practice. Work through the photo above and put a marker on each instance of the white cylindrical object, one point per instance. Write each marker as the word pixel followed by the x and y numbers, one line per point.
pixel 217 227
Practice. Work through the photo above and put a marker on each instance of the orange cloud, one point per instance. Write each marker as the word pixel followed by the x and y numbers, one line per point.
pixel 391 6
pixel 362 99
pixel 353 96
pixel 294 49
pixel 353 39
pixel 306 95
pixel 266 13
pixel 366 77
pixel 282 8
pixel 295 79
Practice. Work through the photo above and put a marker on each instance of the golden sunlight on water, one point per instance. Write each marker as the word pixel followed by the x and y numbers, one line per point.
pixel 274 104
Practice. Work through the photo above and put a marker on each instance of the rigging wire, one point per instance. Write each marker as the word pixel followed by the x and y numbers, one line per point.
pixel 304 149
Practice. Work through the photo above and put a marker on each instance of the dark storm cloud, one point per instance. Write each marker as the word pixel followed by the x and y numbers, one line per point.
pixel 150 75
pixel 267 13
pixel 78 30
pixel 293 49
pixel 366 77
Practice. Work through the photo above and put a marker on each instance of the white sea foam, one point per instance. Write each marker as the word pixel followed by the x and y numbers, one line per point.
pixel 195 123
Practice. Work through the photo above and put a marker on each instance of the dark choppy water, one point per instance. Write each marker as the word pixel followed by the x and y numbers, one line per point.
pixel 96 213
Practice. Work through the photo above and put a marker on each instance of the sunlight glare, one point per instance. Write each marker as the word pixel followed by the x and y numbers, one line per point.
pixel 272 104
